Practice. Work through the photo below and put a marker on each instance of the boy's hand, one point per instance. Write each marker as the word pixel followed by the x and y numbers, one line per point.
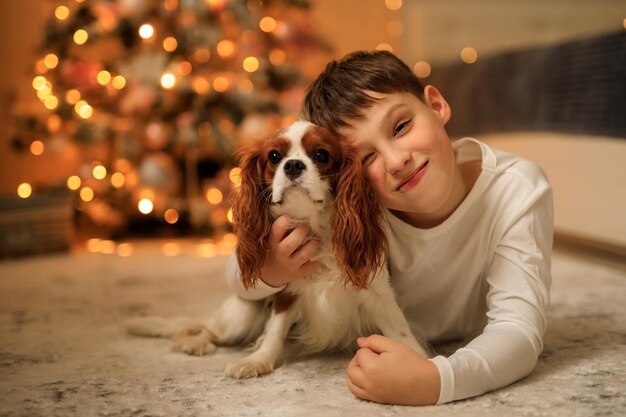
pixel 386 371
pixel 288 259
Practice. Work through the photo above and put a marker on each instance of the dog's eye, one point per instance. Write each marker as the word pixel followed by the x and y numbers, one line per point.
pixel 274 157
pixel 322 156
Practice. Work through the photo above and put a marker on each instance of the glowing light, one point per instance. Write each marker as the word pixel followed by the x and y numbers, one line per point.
pixel 103 77
pixel 395 28
pixel 184 68
pixel 145 206
pixel 39 82
pixel 171 249
pixel 207 250
pixel 93 245
pixel 54 123
pixel 267 24
pixel 72 96
pixel 226 48
pixel 86 194
pixel 40 67
pixel 99 172
pixel 146 31
pixel 118 180
pixel 384 47
pixel 44 93
pixel 36 147
pixel 229 216
pixel 80 36
pixel 469 55
pixel 170 5
pixel 214 196
pixel 202 55
pixel 220 84
pixel 83 109
pixel 62 12
pixel 107 247
pixel 51 102
pixel 393 4
pixel 277 57
pixel 168 80
pixel 73 182
pixel 200 85
pixel 118 82
pixel 24 190
pixel 171 216
pixel 235 176
pixel 51 61
pixel 251 64
pixel 125 249
pixel 215 3
pixel 170 44
pixel 422 69
pixel 245 86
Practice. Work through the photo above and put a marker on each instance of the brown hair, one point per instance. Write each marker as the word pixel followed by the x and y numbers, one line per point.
pixel 340 92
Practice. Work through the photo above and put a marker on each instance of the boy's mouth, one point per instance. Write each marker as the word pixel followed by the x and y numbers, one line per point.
pixel 413 179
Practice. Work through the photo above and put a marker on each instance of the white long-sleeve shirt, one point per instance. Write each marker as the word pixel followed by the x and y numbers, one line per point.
pixel 482 275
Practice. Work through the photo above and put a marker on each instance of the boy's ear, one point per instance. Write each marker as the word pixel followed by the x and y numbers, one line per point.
pixel 435 100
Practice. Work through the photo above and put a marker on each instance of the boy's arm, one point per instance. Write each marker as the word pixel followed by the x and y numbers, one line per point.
pixel 289 257
pixel 519 282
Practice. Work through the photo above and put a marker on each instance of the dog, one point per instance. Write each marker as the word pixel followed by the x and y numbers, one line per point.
pixel 306 173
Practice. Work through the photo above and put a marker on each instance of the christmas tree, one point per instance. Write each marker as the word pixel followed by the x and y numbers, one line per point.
pixel 157 94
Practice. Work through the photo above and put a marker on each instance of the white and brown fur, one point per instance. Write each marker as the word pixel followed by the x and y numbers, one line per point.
pixel 318 181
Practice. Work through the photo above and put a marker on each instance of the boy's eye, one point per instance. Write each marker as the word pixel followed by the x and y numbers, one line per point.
pixel 400 127
pixel 274 157
pixel 322 156
pixel 367 158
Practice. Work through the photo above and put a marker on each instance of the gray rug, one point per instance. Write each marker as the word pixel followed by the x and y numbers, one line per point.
pixel 63 351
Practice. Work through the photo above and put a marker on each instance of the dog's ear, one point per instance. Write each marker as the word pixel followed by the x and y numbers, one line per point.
pixel 251 218
pixel 359 241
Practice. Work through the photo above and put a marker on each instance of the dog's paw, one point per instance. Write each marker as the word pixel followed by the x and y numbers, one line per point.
pixel 196 341
pixel 247 369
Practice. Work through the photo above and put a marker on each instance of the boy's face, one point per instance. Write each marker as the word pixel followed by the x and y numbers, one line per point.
pixel 407 155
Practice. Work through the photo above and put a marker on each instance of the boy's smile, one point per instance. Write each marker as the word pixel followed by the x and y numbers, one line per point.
pixel 407 156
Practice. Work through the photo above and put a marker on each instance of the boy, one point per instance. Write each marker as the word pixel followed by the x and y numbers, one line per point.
pixel 469 229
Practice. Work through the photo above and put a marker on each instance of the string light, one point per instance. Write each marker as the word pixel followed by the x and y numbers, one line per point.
pixel 200 85
pixel 146 31
pixel 214 196
pixel 99 172
pixel 207 250
pixel 184 68
pixel 277 57
pixel 220 84
pixel 171 216
pixel 86 194
pixel 118 180
pixel 51 61
pixel 125 249
pixel 250 64
pixel 469 55
pixel 62 12
pixel 118 82
pixel 51 102
pixel 73 182
pixel 171 249
pixel 395 28
pixel 422 69
pixel 72 96
pixel 145 206
pixel 170 44
pixel 24 190
pixel 393 4
pixel 168 80
pixel 384 47
pixel 39 82
pixel 229 216
pixel 36 147
pixel 267 24
pixel 170 5
pixel 226 48
pixel 80 36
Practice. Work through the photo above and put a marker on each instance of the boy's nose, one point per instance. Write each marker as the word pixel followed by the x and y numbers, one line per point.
pixel 396 161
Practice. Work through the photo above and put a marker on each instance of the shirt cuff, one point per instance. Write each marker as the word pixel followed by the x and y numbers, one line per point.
pixel 446 375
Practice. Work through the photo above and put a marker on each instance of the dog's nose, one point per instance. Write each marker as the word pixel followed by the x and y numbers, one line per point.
pixel 293 168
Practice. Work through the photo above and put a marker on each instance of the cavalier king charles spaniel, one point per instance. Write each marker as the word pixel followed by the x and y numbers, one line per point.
pixel 306 173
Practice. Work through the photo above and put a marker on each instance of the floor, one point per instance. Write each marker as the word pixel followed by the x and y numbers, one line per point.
pixel 63 351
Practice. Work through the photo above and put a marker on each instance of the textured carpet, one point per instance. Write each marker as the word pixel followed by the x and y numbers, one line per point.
pixel 63 351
